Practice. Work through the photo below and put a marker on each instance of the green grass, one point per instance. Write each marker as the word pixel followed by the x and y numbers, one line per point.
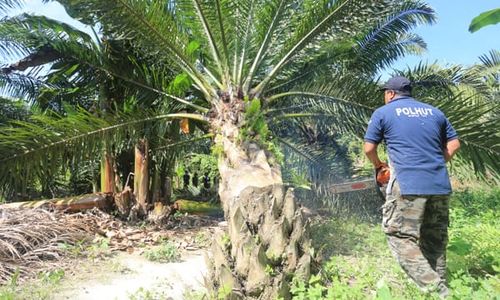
pixel 165 252
pixel 198 207
pixel 40 288
pixel 358 264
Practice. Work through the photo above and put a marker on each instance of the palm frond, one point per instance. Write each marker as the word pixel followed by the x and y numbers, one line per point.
pixel 489 70
pixel 304 34
pixel 12 110
pixel 148 23
pixel 427 78
pixel 271 15
pixel 311 148
pixel 347 103
pixel 80 60
pixel 491 60
pixel 328 36
pixel 6 5
pixel 48 142
pixel 21 86
pixel 479 135
pixel 407 16
pixel 219 56
pixel 380 55
pixel 24 33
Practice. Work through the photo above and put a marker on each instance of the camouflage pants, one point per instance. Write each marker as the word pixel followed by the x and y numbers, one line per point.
pixel 417 232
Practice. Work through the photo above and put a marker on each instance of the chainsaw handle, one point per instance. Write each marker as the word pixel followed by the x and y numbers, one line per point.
pixel 383 174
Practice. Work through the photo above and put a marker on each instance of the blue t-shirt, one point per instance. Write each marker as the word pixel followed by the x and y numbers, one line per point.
pixel 416 135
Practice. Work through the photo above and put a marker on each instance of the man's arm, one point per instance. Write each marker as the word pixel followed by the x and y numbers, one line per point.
pixel 371 153
pixel 450 149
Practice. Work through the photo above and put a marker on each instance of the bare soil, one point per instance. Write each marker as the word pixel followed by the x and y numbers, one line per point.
pixel 132 276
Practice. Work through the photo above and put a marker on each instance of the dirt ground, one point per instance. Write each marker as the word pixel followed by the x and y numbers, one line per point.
pixel 132 276
pixel 114 259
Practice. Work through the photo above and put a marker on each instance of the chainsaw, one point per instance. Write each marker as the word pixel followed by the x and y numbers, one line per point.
pixel 378 181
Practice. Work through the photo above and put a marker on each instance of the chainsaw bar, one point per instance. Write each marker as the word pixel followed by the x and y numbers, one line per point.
pixel 354 186
pixel 359 185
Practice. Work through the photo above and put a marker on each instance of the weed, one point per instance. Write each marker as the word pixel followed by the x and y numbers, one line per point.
pixel 145 294
pixel 178 215
pixel 224 291
pixel 165 252
pixel 73 250
pixel 312 291
pixel 225 240
pixel 52 276
pixel 202 239
pixel 359 265
pixel 195 295
pixel 37 289
pixel 466 287
pixel 474 231
pixel 8 292
pixel 217 149
pixel 269 270
pixel 98 249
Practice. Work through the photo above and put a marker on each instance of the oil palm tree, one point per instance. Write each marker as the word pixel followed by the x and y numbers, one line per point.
pixel 244 58
pixel 252 66
pixel 78 74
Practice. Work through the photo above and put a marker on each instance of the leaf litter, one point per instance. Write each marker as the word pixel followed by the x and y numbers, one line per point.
pixel 35 240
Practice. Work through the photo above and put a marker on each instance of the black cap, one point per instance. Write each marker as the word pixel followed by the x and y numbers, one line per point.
pixel 397 83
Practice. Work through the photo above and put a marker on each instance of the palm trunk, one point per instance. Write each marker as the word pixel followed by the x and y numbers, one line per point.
pixel 107 174
pixel 141 176
pixel 69 204
pixel 266 241
pixel 156 195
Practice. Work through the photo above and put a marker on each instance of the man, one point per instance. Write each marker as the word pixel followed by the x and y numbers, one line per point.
pixel 186 178
pixel 206 181
pixel 420 140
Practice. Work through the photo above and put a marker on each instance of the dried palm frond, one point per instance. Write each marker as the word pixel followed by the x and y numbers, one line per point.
pixel 28 238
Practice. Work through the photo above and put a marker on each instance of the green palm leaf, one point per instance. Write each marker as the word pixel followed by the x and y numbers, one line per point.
pixel 489 17
pixel 48 142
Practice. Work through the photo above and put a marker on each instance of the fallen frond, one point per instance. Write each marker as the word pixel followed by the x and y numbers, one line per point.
pixel 28 238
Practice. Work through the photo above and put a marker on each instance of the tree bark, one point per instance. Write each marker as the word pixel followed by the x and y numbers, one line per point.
pixel 266 241
pixel 107 174
pixel 167 190
pixel 141 176
pixel 156 195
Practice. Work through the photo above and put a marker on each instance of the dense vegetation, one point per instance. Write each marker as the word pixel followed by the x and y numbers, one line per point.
pixel 359 265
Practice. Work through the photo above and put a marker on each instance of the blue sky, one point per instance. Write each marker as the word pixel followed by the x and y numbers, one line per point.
pixel 448 41
pixel 51 9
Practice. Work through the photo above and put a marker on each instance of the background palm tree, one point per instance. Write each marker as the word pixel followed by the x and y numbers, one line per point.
pixel 79 74
pixel 251 68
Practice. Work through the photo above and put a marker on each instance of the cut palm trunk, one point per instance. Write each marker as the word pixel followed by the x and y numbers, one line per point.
pixel 141 176
pixel 124 201
pixel 266 241
pixel 70 204
pixel 107 173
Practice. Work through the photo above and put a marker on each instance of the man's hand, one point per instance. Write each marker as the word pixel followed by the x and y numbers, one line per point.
pixel 371 153
pixel 382 172
pixel 381 165
pixel 451 148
